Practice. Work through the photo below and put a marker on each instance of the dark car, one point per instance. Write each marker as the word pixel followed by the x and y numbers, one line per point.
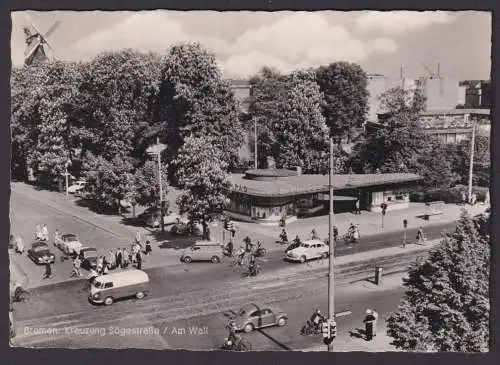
pixel 253 316
pixel 88 256
pixel 186 229
pixel 40 253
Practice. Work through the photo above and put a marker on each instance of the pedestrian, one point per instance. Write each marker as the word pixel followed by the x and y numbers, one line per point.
pixel 487 198
pixel 314 234
pixel 48 270
pixel 100 264
pixel 369 322
pixel 335 233
pixel 355 234
pixel 464 197
pixel 76 267
pixel 420 236
pixel 125 258
pixel 473 198
pixel 138 237
pixel 119 258
pixel 19 245
pixel 139 260
pixel 357 207
pixel 111 259
pixel 148 247
pixel 375 322
pixel 45 233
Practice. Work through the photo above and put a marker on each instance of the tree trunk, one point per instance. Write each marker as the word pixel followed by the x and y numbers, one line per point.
pixel 119 208
pixel 133 211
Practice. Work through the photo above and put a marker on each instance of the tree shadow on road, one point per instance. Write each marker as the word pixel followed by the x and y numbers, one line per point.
pixel 358 333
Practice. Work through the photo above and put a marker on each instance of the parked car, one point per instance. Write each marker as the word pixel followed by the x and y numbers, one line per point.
pixel 77 186
pixel 40 253
pixel 153 220
pixel 88 256
pixel 308 250
pixel 68 243
pixel 253 316
pixel 203 251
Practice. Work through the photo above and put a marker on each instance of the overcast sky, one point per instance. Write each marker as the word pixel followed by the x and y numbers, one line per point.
pixel 245 41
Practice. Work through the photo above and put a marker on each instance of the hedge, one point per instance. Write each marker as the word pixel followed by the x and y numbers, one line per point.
pixel 448 195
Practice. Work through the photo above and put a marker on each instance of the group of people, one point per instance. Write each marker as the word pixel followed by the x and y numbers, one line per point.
pixel 249 250
pixel 42 232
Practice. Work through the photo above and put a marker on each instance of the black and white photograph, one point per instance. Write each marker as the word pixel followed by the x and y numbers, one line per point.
pixel 245 181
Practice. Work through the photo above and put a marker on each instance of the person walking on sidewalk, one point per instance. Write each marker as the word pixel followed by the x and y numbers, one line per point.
pixel 357 211
pixel 125 257
pixel 314 234
pixel 420 236
pixel 138 237
pixel 119 258
pixel 76 268
pixel 138 258
pixel 148 248
pixel 375 322
pixel 369 323
pixel 48 270
pixel 335 233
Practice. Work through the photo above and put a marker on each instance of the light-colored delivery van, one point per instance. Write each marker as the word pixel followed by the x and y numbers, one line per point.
pixel 203 251
pixel 128 283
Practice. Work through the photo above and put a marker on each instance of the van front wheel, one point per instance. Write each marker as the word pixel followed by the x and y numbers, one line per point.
pixel 215 260
pixel 187 259
pixel 108 301
pixel 140 295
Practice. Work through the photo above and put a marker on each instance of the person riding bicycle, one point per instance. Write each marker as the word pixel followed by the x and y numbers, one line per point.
pixel 248 244
pixel 283 236
pixel 352 232
pixel 241 255
pixel 317 318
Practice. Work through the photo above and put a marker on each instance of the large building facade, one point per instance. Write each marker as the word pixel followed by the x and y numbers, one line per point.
pixel 268 195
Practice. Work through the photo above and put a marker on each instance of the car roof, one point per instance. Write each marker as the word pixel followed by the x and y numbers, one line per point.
pixel 251 307
pixel 84 249
pixel 39 244
pixel 313 242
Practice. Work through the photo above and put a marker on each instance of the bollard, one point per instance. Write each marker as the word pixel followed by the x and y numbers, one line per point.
pixel 378 275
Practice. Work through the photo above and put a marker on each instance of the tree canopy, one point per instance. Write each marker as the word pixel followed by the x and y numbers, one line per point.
pixel 203 177
pixel 446 304
pixel 344 86
pixel 291 128
pixel 195 101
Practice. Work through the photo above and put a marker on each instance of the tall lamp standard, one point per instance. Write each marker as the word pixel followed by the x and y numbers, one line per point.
pixel 157 149
pixel 66 175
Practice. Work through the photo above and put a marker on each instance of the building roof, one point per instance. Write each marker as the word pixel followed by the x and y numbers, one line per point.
pixel 456 112
pixel 303 184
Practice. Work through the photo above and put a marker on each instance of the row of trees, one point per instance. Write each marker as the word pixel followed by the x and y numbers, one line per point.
pixel 102 115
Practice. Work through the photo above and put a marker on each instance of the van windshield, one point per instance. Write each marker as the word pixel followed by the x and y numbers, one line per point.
pixel 98 284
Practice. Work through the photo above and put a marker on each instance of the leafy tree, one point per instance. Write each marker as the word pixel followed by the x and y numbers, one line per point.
pixel 397 144
pixel 42 114
pixel 195 101
pixel 265 108
pixel 147 190
pixel 119 91
pixel 436 165
pixel 344 86
pixel 108 182
pixel 446 304
pixel 202 175
pixel 291 128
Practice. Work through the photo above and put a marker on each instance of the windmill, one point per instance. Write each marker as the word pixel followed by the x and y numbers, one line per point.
pixel 36 42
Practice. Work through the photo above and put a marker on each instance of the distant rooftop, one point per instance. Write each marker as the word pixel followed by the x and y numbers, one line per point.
pixel 456 112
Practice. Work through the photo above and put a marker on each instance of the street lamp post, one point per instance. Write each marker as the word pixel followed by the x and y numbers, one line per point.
pixel 255 142
pixel 157 150
pixel 471 165
pixel 66 175
pixel 331 288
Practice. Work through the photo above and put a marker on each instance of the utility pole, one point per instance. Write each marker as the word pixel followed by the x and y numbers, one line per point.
pixel 160 184
pixel 255 141
pixel 471 166
pixel 331 288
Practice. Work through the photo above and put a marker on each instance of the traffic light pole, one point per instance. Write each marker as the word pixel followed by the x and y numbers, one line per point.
pixel 331 288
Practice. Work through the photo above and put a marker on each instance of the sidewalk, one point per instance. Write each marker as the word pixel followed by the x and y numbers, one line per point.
pixel 16 274
pixel 369 222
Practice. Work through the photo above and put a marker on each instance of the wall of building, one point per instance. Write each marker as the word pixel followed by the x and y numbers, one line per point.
pixel 441 93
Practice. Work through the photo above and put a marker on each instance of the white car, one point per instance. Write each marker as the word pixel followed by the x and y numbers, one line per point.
pixel 308 250
pixel 169 219
pixel 76 187
pixel 68 243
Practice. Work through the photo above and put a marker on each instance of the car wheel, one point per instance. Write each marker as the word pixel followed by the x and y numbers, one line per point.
pixel 303 259
pixel 187 259
pixel 324 255
pixel 139 295
pixel 108 301
pixel 215 260
pixel 282 321
pixel 248 328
